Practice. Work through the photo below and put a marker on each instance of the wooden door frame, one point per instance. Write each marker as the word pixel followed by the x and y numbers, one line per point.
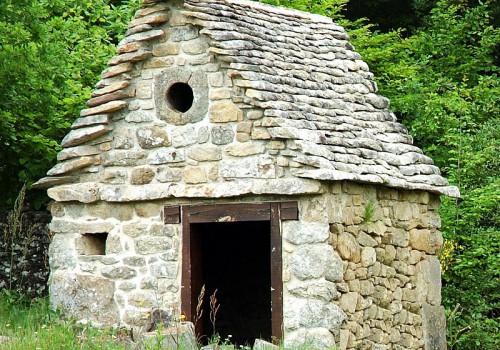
pixel 274 212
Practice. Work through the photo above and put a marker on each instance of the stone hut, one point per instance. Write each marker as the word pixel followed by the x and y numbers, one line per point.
pixel 243 147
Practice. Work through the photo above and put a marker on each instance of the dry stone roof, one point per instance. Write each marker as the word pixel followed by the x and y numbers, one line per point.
pixel 315 93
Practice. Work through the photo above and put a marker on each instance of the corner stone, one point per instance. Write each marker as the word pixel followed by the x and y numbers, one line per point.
pixel 433 324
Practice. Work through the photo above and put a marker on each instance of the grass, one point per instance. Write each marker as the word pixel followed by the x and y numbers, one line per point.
pixel 34 326
pixel 369 213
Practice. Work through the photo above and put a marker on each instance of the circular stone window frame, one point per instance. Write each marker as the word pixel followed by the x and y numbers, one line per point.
pixel 167 111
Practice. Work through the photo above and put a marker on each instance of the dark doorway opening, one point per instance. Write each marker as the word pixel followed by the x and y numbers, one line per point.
pixel 222 241
pixel 235 261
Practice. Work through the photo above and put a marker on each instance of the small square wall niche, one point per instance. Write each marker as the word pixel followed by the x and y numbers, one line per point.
pixel 91 244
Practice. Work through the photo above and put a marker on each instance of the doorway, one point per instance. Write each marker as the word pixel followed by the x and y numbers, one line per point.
pixel 235 268
pixel 236 249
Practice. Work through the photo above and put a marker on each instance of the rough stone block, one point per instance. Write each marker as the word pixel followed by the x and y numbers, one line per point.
pixel 140 116
pixel 195 47
pixel 222 134
pixel 135 56
pixel 178 336
pixel 147 210
pixel 376 228
pixel 124 158
pixel 317 313
pixel 164 156
pixel 114 176
pixel 142 176
pixel 366 288
pixel 166 49
pixel 165 270
pixel 297 232
pixel 433 324
pixel 257 167
pixel 335 270
pixel 397 237
pixel 368 256
pixel 71 165
pixel 184 33
pixel 91 120
pixel 425 240
pixel 311 261
pixel 152 245
pixel 260 344
pixel 320 337
pixel 109 107
pixel 167 174
pixel 245 149
pixel 366 240
pixel 159 62
pixel 118 272
pixel 134 261
pixel 152 18
pixel 129 47
pixel 205 153
pixel 117 70
pixel 348 247
pixel 134 229
pixel 78 136
pixel 143 36
pixel 184 136
pixel 194 175
pixel 152 137
pixel 321 289
pixel 260 134
pixel 429 273
pixel 225 111
pixel 348 302
pixel 62 253
pixel 89 298
pixel 96 226
pixel 255 114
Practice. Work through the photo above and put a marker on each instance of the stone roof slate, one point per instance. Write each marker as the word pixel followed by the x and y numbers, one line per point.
pixel 299 69
pixel 317 93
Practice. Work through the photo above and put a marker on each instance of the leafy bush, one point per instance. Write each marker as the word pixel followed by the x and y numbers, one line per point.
pixel 443 83
pixel 51 53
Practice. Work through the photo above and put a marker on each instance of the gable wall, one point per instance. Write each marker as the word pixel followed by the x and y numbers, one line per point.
pixel 153 152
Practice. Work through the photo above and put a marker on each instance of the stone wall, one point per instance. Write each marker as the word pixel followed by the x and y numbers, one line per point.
pixel 24 265
pixel 359 266
pixel 390 286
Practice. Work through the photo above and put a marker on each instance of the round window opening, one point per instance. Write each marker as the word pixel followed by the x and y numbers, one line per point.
pixel 180 97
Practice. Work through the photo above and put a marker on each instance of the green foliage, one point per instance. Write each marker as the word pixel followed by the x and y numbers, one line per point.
pixel 51 53
pixel 443 83
pixel 369 212
pixel 330 8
